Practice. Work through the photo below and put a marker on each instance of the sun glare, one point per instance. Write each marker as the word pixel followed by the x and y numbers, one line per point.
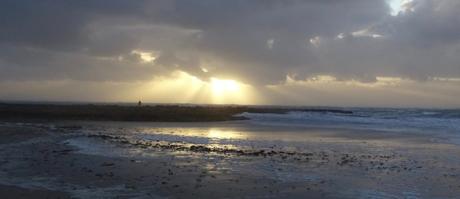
pixel 223 91
pixel 196 90
pixel 222 86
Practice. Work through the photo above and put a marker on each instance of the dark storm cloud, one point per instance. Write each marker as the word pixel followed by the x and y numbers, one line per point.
pixel 259 41
pixel 56 24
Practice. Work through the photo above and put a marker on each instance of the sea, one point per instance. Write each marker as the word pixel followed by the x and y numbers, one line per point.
pixel 388 119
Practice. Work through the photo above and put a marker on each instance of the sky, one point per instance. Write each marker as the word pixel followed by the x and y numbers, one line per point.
pixel 384 53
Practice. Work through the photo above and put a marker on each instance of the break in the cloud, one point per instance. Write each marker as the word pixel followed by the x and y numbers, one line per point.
pixel 257 42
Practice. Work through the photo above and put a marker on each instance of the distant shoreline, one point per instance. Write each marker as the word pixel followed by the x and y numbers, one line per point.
pixel 155 113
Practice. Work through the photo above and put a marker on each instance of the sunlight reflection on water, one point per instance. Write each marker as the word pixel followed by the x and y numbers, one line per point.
pixel 224 134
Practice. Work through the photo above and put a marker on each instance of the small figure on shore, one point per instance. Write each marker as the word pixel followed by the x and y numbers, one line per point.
pixel 139 103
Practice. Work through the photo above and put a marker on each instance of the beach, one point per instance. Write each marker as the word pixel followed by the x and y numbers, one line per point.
pixel 229 159
pixel 211 99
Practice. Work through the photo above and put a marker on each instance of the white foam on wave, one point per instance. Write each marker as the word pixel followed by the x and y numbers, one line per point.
pixel 444 126
pixel 395 121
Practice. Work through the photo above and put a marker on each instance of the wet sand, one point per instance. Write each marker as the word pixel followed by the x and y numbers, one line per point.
pixel 108 160
pixel 21 193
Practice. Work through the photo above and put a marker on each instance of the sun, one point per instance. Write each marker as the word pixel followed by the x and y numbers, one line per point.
pixel 226 91
pixel 224 86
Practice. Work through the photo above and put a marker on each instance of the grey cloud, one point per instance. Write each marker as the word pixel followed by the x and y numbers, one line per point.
pixel 82 39
pixel 54 24
pixel 21 64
